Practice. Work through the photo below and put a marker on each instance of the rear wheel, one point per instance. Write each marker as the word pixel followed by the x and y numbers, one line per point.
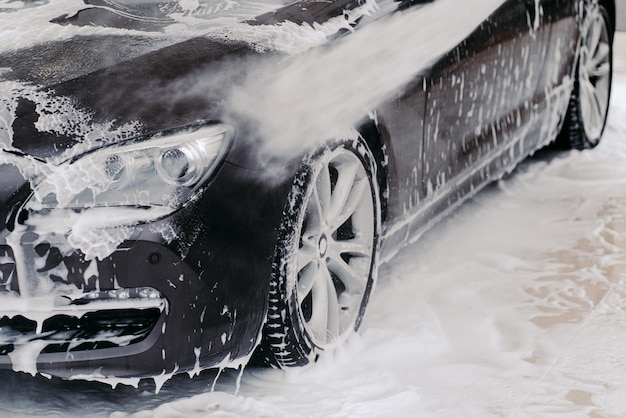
pixel 589 104
pixel 325 260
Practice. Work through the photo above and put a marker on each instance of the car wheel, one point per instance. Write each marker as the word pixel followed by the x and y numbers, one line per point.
pixel 589 103
pixel 325 261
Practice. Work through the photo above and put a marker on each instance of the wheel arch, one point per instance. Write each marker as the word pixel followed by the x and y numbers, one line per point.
pixel 372 136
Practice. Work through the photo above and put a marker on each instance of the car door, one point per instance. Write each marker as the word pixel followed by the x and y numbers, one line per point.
pixel 480 99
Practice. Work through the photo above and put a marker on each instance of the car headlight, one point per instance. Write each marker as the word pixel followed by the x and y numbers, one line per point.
pixel 162 171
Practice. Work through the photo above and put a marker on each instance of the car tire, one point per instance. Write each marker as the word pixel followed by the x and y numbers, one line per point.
pixel 589 103
pixel 325 262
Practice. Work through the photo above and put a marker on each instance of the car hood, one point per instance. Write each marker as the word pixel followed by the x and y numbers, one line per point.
pixel 68 92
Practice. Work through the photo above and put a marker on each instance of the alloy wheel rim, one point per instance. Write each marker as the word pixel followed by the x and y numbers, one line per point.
pixel 595 76
pixel 335 248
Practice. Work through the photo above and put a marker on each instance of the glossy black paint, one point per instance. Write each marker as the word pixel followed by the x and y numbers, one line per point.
pixel 480 109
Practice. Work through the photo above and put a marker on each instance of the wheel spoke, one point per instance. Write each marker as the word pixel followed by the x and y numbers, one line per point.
pixel 352 280
pixel 319 315
pixel 600 59
pixel 351 205
pixel 307 253
pixel 602 95
pixel 587 89
pixel 332 326
pixel 589 106
pixel 314 216
pixel 593 38
pixel 354 247
pixel 596 107
pixel 600 71
pixel 307 279
pixel 346 176
pixel 323 192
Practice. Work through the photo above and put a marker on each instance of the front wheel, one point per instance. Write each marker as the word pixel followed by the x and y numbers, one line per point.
pixel 589 104
pixel 325 260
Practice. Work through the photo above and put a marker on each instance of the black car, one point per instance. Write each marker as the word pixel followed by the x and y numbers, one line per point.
pixel 192 187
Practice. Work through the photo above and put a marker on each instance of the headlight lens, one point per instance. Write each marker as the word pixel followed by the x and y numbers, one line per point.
pixel 162 171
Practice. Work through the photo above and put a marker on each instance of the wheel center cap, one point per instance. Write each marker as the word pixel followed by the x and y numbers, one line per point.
pixel 322 245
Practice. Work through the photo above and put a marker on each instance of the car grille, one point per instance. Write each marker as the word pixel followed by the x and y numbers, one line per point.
pixel 87 319
pixel 63 333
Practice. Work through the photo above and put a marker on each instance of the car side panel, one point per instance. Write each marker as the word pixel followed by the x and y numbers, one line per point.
pixel 484 111
pixel 478 96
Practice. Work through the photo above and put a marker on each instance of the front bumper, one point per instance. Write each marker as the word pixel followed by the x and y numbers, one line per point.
pixel 101 317
pixel 188 299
